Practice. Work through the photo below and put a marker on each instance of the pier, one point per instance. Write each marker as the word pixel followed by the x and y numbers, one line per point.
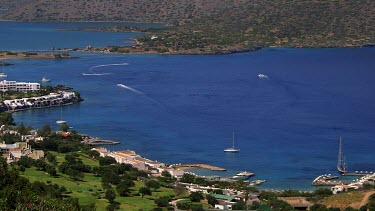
pixel 98 141
pixel 325 180
pixel 203 166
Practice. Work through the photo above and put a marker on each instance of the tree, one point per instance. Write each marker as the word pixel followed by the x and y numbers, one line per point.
pixel 211 200
pixel 110 195
pixel 74 174
pixel 183 205
pixel 93 153
pixel 196 207
pixel 162 201
pixel 51 170
pixel 123 188
pixel 240 205
pixel 104 161
pixel 179 190
pixel 187 178
pixel 144 191
pixel 153 184
pixel 318 207
pixel 22 129
pixel 166 173
pixel 196 196
pixel 6 119
pixel 45 131
pixel 64 127
pixel 113 206
pixel 50 157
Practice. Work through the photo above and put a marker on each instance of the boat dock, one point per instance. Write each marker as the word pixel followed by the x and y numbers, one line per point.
pixel 98 141
pixel 203 166
pixel 326 180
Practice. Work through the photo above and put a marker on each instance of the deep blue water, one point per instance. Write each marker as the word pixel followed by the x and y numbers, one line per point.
pixel 184 108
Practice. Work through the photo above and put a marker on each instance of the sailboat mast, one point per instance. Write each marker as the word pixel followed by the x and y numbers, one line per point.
pixel 233 140
pixel 339 162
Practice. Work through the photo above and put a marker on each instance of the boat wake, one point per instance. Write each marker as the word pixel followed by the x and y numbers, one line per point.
pixel 106 65
pixel 130 89
pixel 95 74
pixel 262 76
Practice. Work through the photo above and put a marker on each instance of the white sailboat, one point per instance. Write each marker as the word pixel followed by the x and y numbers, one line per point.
pixel 341 163
pixel 232 149
pixel 3 75
pixel 61 121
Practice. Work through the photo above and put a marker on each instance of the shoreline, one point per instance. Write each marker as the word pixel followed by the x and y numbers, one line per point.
pixel 227 52
pixel 42 102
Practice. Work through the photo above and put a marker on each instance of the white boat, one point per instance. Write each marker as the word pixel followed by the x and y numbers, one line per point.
pixel 61 121
pixel 232 149
pixel 3 75
pixel 263 76
pixel 44 79
pixel 245 174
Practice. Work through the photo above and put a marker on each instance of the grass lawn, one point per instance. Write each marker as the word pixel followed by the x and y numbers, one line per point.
pixel 89 189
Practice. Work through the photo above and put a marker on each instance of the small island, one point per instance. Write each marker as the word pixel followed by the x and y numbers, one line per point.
pixel 5 64
pixel 33 55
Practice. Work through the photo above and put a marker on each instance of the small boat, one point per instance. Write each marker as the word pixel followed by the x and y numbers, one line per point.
pixel 61 121
pixel 263 76
pixel 245 174
pixel 232 149
pixel 3 75
pixel 44 79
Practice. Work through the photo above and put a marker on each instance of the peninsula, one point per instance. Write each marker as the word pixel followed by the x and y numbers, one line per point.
pixel 217 27
pixel 33 55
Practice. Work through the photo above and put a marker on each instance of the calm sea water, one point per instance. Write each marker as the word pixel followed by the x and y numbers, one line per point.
pixel 183 109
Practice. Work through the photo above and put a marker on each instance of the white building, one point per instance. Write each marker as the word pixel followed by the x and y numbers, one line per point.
pixel 18 86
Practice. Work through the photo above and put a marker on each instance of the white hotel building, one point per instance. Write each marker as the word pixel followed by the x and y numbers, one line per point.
pixel 18 86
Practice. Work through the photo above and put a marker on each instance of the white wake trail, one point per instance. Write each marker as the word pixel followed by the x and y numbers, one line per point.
pixel 130 89
pixel 95 74
pixel 106 65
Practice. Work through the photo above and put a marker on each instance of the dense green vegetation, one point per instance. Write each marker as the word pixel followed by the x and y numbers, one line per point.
pixel 72 177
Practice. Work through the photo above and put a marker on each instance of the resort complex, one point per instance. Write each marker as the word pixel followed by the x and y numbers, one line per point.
pixel 19 86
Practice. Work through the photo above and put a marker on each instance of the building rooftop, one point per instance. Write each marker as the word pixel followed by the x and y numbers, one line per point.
pixel 224 197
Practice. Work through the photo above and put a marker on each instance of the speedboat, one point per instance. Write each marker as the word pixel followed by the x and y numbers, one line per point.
pixel 44 79
pixel 3 75
pixel 263 76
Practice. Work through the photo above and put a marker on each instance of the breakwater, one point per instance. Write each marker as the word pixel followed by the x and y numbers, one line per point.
pixel 204 166
pixel 51 100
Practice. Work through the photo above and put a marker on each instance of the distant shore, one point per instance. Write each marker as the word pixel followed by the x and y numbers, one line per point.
pixel 28 55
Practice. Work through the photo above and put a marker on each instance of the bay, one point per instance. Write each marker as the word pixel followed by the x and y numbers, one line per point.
pixel 183 109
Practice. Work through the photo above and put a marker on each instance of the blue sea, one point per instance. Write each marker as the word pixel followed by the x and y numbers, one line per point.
pixel 183 109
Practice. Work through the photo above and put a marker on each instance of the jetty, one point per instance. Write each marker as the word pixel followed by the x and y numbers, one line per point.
pixel 326 180
pixel 98 141
pixel 203 166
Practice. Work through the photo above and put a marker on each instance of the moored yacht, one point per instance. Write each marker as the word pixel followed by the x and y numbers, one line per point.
pixel 232 149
